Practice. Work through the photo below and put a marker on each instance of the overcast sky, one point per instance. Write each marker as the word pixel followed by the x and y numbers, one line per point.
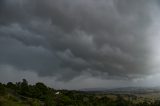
pixel 78 44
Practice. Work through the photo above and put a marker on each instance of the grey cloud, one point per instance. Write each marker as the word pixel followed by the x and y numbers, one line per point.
pixel 26 57
pixel 66 38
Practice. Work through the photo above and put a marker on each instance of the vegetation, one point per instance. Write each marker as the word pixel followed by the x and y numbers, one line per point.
pixel 23 94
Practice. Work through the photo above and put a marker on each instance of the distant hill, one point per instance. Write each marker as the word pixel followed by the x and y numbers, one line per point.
pixel 124 90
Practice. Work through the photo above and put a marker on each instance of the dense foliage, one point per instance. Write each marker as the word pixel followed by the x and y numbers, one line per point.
pixel 23 94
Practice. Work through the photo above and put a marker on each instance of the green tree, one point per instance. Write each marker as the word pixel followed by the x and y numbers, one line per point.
pixel 41 87
pixel 2 89
pixel 24 90
pixel 11 85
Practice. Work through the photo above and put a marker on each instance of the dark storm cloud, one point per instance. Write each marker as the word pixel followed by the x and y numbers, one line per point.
pixel 67 37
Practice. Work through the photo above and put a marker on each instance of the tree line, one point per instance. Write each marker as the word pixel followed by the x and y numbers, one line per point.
pixel 41 95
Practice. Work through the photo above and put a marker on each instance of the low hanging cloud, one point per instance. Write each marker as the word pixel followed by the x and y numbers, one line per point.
pixel 64 39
